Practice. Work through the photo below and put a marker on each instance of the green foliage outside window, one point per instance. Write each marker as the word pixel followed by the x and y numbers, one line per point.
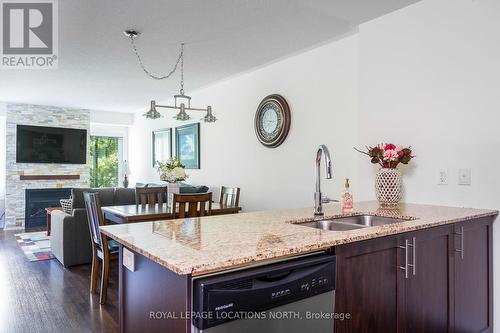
pixel 104 161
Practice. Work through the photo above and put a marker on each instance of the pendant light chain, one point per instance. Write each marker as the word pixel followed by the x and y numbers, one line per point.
pixel 153 112
pixel 182 68
pixel 156 77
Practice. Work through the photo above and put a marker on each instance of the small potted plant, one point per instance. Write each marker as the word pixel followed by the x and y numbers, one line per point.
pixel 388 181
pixel 172 172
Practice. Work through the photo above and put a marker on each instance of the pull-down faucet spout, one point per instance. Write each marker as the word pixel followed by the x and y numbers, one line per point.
pixel 322 150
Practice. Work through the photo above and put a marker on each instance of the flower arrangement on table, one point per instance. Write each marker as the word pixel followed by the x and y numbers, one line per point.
pixel 388 155
pixel 171 171
pixel 388 181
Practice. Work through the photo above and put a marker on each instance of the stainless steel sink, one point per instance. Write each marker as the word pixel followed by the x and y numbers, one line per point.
pixel 368 220
pixel 332 225
pixel 351 222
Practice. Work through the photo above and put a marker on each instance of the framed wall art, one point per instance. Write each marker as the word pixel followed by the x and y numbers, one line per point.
pixel 162 145
pixel 187 145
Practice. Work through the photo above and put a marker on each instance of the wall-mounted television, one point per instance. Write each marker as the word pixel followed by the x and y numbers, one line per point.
pixel 37 144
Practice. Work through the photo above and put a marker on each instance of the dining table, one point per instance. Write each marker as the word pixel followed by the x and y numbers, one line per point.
pixel 143 213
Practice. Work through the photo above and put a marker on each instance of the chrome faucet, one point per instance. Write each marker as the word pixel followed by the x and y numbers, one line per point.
pixel 318 200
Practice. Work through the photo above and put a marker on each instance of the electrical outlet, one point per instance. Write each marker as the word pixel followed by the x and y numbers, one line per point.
pixel 442 177
pixel 128 260
pixel 464 176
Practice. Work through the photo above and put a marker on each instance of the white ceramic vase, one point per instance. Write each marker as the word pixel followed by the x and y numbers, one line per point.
pixel 389 187
pixel 172 188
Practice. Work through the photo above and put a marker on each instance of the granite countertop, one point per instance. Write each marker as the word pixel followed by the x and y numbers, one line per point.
pixel 216 243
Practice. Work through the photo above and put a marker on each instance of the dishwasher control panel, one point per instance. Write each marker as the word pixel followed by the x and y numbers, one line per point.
pixel 281 293
pixel 315 282
pixel 226 297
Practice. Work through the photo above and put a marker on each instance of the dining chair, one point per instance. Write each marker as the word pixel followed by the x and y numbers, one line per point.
pixel 150 195
pixel 193 205
pixel 103 250
pixel 229 196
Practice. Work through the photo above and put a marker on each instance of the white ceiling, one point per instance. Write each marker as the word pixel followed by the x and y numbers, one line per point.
pixel 97 69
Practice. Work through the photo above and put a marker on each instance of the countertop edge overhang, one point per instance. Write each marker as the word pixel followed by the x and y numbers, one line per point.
pixel 218 243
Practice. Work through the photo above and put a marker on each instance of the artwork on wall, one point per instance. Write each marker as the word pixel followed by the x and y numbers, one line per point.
pixel 162 145
pixel 187 145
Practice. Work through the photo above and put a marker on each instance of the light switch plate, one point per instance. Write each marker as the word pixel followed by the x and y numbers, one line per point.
pixel 442 177
pixel 128 260
pixel 464 176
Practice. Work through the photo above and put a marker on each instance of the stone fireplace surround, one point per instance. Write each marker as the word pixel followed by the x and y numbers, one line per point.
pixel 37 115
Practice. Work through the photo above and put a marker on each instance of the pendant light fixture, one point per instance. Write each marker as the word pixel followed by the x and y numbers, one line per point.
pixel 184 103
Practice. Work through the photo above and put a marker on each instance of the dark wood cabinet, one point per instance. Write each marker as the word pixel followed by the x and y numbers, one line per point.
pixel 473 289
pixel 424 294
pixel 432 280
pixel 367 286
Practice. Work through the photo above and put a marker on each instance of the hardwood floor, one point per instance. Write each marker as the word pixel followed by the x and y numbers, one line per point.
pixel 45 297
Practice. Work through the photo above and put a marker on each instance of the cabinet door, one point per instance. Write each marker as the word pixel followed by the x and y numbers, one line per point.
pixel 366 286
pixel 425 296
pixel 473 276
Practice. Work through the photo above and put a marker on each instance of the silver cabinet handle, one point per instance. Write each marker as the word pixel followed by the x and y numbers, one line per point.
pixel 405 267
pixel 413 264
pixel 461 250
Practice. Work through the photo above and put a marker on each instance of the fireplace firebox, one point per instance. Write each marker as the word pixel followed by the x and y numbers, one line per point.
pixel 37 200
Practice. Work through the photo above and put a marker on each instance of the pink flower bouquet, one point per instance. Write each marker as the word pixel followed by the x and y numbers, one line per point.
pixel 388 155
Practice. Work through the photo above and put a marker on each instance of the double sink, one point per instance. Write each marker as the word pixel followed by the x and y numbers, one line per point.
pixel 352 222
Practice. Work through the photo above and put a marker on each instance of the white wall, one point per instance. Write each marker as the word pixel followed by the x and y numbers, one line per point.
pixel 111 118
pixel 426 76
pixel 2 159
pixel 3 135
pixel 430 78
pixel 320 87
pixel 3 109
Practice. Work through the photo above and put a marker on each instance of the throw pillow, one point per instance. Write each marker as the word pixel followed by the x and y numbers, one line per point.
pixel 67 205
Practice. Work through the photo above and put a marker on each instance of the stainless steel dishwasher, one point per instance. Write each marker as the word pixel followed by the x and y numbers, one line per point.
pixel 296 295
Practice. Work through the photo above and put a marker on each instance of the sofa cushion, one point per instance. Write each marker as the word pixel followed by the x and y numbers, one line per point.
pixel 185 188
pixel 106 195
pixel 188 189
pixel 154 185
pixel 77 196
pixel 124 196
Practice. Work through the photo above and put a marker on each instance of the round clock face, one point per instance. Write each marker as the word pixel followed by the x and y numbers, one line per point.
pixel 272 121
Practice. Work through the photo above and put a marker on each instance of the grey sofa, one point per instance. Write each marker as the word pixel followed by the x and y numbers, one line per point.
pixel 70 236
pixel 184 187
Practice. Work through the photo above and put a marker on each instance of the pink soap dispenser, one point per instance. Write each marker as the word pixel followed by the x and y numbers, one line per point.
pixel 346 200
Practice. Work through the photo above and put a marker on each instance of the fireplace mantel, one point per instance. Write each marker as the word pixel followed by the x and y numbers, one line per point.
pixel 49 177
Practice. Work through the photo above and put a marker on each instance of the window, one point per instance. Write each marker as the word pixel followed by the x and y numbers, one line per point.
pixel 105 160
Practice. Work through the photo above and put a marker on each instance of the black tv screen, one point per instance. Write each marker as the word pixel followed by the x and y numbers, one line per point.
pixel 36 144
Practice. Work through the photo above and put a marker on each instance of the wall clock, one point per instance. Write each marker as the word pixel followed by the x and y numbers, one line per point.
pixel 272 121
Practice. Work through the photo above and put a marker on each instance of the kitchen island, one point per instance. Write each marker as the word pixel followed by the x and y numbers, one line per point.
pixel 163 257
